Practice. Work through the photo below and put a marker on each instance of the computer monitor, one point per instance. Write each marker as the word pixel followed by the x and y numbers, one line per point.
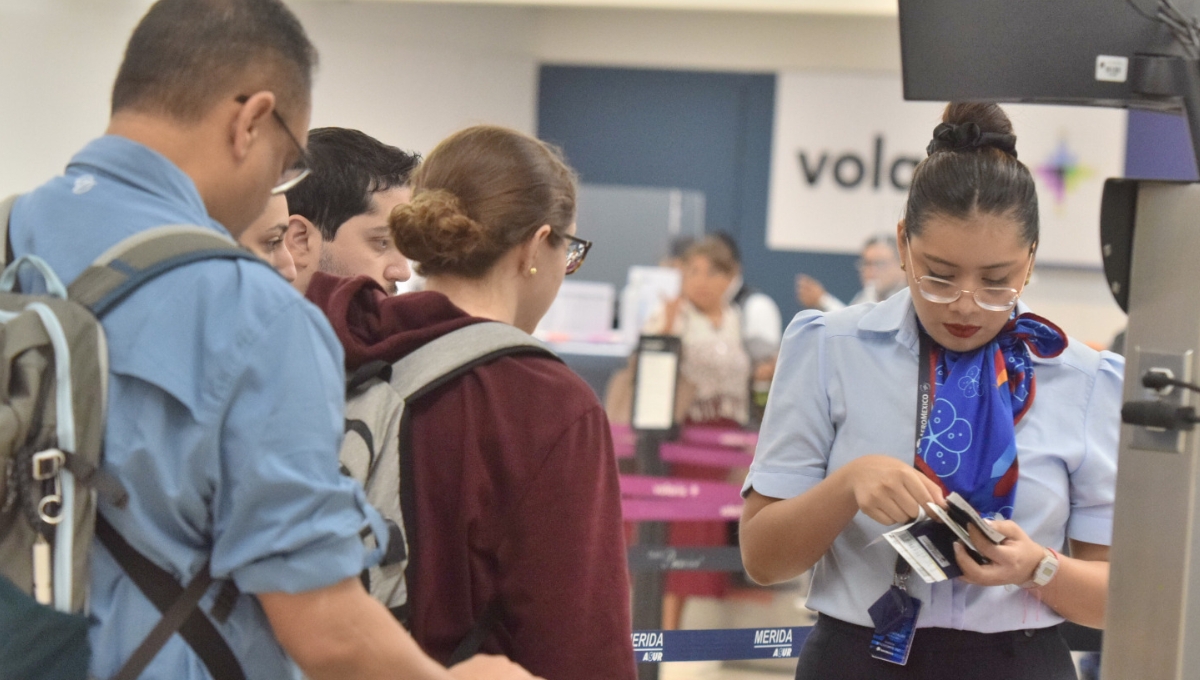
pixel 1040 51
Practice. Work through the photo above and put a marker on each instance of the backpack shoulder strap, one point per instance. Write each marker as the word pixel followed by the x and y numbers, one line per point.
pixel 144 256
pixel 444 358
pixel 423 371
pixel 6 207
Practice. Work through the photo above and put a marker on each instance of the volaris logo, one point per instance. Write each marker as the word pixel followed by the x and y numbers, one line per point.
pixel 852 170
pixel 1062 171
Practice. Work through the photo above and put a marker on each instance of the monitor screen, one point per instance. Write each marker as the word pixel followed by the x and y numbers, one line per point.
pixel 1042 51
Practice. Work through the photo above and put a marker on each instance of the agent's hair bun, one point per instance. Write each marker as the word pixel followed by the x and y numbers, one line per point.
pixel 970 126
pixel 436 232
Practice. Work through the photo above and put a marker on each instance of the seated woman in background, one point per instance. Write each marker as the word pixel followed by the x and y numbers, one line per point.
pixel 714 359
pixel 717 367
pixel 517 504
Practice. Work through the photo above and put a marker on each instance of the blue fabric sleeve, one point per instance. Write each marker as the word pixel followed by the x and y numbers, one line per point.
pixel 797 431
pixel 1093 482
pixel 284 518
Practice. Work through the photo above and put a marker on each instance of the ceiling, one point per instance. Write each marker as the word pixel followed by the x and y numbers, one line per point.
pixel 844 7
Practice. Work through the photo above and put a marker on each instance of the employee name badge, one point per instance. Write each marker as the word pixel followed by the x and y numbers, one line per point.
pixel 895 618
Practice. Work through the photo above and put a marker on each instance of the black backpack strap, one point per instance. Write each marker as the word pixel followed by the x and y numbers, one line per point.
pixel 146 255
pixel 366 373
pixel 179 607
pixel 474 640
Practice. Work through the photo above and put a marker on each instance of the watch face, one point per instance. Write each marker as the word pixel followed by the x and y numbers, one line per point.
pixel 1046 569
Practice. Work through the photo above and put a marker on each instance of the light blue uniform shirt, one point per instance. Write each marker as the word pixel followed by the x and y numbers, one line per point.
pixel 846 386
pixel 225 416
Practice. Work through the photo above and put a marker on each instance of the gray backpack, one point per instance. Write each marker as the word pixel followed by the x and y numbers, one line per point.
pixel 53 392
pixel 377 448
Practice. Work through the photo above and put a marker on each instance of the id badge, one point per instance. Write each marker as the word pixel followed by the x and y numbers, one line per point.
pixel 895 617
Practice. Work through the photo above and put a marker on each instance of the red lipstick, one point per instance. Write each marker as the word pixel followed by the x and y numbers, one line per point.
pixel 959 331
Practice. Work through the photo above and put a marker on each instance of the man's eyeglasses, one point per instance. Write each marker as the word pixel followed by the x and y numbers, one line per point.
pixel 874 265
pixel 941 291
pixel 577 250
pixel 291 176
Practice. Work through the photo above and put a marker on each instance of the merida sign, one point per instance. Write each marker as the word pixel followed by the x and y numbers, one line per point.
pixel 845 147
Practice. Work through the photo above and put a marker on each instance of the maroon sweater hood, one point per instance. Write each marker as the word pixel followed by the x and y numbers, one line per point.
pixel 375 326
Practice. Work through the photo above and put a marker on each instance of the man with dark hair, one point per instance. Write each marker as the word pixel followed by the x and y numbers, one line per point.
pixel 225 407
pixel 340 213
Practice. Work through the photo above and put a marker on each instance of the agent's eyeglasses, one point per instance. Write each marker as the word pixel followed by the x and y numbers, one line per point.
pixel 577 250
pixel 941 291
pixel 291 176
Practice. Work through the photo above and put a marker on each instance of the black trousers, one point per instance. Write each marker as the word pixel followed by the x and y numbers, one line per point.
pixel 836 650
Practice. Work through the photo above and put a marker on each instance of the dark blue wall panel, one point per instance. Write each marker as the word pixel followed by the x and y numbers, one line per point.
pixel 709 132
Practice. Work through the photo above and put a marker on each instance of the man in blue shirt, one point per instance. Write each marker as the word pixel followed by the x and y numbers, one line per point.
pixel 225 408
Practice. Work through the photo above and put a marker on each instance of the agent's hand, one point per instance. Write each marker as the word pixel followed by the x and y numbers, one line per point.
pixel 809 291
pixel 890 491
pixel 1013 561
pixel 485 667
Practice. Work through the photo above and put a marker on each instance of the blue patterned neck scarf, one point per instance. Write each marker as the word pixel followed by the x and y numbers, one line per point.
pixel 970 442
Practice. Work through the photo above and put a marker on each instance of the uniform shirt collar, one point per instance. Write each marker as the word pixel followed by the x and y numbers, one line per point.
pixel 896 315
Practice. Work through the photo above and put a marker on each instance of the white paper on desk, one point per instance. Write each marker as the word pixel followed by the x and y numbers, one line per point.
pixel 582 310
pixel 647 289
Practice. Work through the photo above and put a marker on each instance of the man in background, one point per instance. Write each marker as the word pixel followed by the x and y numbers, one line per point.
pixel 878 269
pixel 339 220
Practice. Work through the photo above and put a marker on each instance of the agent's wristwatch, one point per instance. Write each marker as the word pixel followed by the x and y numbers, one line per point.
pixel 1046 569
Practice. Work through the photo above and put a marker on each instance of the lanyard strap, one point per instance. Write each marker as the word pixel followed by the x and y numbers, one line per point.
pixel 925 388
pixel 925 396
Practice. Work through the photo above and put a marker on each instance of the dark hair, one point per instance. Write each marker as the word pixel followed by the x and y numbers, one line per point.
pixel 348 168
pixel 973 168
pixel 185 55
pixel 730 243
pixel 481 192
pixel 678 245
pixel 716 249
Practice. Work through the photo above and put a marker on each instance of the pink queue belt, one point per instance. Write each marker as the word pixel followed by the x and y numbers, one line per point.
pixel 667 499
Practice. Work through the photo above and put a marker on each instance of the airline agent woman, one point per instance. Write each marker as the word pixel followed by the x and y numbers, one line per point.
pixel 1023 424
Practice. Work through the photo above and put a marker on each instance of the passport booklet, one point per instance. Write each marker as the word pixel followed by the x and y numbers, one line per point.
pixel 927 543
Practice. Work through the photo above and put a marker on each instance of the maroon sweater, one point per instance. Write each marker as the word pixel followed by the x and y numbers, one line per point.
pixel 516 495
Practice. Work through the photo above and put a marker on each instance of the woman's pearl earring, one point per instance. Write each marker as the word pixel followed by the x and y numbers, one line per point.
pixel 532 271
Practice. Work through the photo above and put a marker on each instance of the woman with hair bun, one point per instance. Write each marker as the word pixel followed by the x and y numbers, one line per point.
pixel 1017 419
pixel 517 505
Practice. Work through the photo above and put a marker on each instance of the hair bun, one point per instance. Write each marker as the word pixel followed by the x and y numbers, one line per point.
pixel 964 136
pixel 434 230
pixel 968 126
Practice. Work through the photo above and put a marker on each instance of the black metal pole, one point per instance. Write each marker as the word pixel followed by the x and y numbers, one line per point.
pixel 648 585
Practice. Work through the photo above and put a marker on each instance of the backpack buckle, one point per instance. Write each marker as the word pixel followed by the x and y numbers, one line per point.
pixel 47 464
